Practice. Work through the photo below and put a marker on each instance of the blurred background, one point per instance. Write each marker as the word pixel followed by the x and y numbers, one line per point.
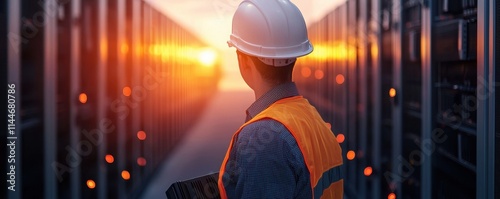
pixel 122 98
pixel 211 22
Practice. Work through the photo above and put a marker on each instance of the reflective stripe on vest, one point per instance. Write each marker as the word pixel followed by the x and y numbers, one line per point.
pixel 319 147
pixel 328 177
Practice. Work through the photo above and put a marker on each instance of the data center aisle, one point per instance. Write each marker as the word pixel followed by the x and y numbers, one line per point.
pixel 202 150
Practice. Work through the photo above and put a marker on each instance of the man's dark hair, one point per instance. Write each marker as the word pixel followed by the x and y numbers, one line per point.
pixel 272 74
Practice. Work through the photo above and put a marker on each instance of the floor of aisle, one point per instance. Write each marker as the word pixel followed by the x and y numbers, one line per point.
pixel 202 150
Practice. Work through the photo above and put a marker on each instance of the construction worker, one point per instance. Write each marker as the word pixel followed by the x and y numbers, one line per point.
pixel 284 149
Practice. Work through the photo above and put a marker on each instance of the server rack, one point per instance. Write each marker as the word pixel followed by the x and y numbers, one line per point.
pixel 408 91
pixel 494 16
pixel 105 91
pixel 487 107
pixel 423 79
pixel 454 76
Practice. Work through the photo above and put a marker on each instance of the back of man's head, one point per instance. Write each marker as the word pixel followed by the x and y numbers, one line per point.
pixel 273 31
pixel 271 74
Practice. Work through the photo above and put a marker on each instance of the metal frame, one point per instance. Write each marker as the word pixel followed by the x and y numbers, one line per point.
pixel 155 25
pixel 342 69
pixel 136 61
pixel 493 102
pixel 427 93
pixel 363 96
pixel 101 93
pixel 74 91
pixel 486 101
pixel 349 90
pixel 343 97
pixel 148 124
pixel 121 129
pixel 50 101
pixel 397 113
pixel 376 35
pixel 336 126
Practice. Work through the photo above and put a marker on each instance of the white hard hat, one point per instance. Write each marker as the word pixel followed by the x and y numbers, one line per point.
pixel 272 30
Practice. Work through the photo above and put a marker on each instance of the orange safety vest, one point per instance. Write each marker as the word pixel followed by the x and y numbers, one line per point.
pixel 320 149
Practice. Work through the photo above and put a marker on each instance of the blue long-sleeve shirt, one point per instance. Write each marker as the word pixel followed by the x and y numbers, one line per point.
pixel 265 161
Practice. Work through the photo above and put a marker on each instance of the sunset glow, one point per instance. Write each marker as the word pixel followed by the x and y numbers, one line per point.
pixel 211 21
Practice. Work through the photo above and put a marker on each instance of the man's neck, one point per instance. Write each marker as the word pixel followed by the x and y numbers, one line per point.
pixel 263 88
pixel 260 92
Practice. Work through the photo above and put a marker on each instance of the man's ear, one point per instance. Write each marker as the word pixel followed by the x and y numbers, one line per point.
pixel 245 62
pixel 249 63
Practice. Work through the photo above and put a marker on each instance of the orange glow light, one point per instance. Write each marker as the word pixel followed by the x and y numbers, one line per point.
pixel 207 57
pixel 391 196
pixel 103 49
pixel 141 135
pixel 125 175
pixel 90 184
pixel 340 138
pixel 83 98
pixel 109 158
pixel 340 79
pixel 127 91
pixel 374 51
pixel 306 71
pixel 321 52
pixel 152 49
pixel 330 52
pixel 138 50
pixel 141 161
pixel 204 56
pixel 124 48
pixel 319 74
pixel 392 92
pixel 351 155
pixel 368 171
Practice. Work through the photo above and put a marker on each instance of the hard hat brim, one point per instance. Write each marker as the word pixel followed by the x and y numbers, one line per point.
pixel 299 50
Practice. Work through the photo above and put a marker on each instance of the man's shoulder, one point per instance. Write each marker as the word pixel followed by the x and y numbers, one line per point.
pixel 264 125
pixel 265 131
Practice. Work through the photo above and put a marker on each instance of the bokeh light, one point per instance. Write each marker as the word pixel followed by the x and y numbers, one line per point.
pixel 340 138
pixel 109 158
pixel 91 184
pixel 340 79
pixel 351 155
pixel 141 135
pixel 127 91
pixel 141 161
pixel 319 74
pixel 392 92
pixel 125 175
pixel 83 98
pixel 305 71
pixel 368 171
